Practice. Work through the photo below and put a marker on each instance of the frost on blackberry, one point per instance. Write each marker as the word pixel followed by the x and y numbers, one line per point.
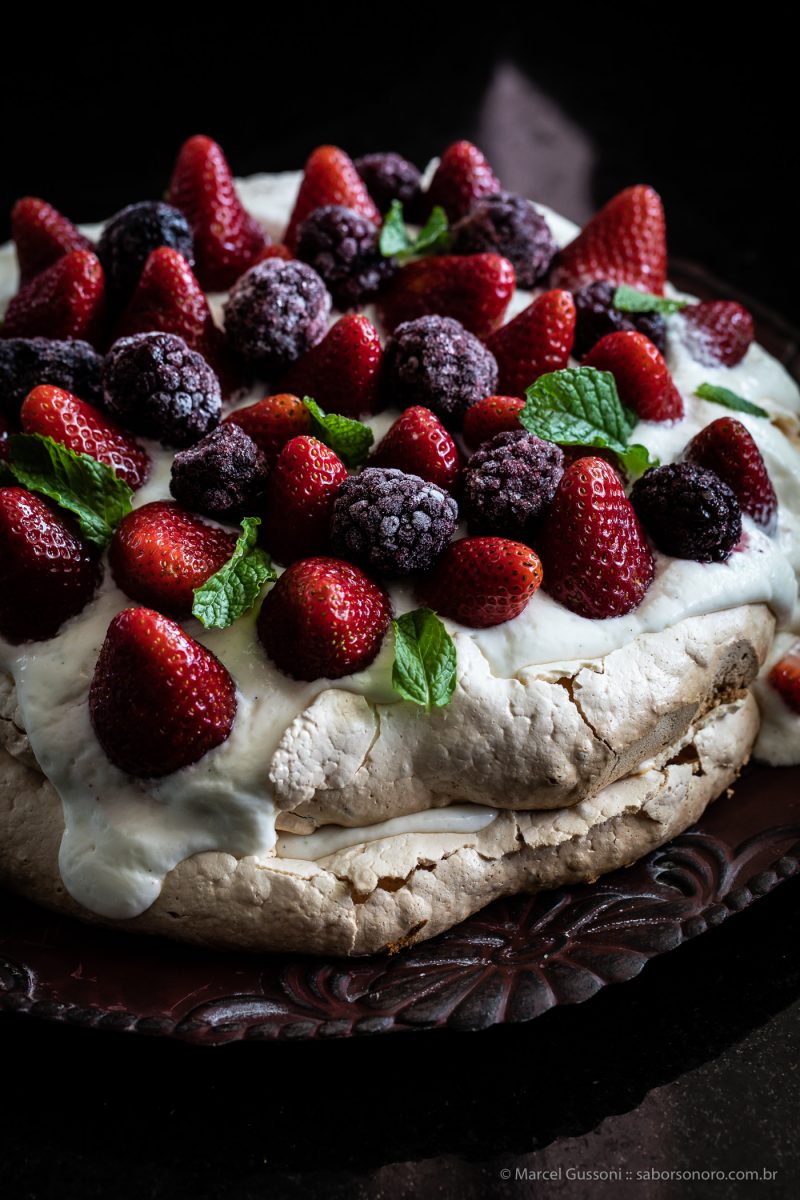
pixel 688 512
pixel 342 247
pixel 596 316
pixel 155 385
pixel 391 522
pixel 129 238
pixel 436 362
pixel 74 366
pixel 509 482
pixel 275 312
pixel 391 177
pixel 509 225
pixel 223 475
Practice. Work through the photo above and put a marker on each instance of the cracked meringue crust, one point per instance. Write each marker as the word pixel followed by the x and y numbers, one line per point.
pixel 395 891
pixel 635 746
pixel 545 739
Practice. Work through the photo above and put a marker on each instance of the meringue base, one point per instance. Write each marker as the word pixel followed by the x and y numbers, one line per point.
pixel 392 892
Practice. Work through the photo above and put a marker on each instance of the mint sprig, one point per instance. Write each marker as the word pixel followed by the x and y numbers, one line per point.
pixel 396 241
pixel 579 406
pixel 395 238
pixel 88 489
pixel 234 588
pixel 628 299
pixel 348 438
pixel 424 670
pixel 729 399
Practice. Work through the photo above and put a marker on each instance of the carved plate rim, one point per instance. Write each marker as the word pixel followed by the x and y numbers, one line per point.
pixel 510 962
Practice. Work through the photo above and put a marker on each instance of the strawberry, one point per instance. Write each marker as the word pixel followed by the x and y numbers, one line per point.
pixel 537 341
pixel 47 573
pixel 160 552
pixel 272 422
pixel 482 581
pixel 596 559
pixel 42 235
pixel 717 332
pixel 494 414
pixel 323 619
pixel 419 444
pixel 473 288
pixel 340 372
pixel 276 250
pixel 299 501
pixel 573 453
pixel 227 240
pixel 329 178
pixel 168 299
pixel 727 448
pixel 66 300
pixel 625 242
pixel 641 375
pixel 81 427
pixel 462 178
pixel 158 700
pixel 785 677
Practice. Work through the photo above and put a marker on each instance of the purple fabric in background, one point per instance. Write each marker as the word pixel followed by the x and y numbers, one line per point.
pixel 534 147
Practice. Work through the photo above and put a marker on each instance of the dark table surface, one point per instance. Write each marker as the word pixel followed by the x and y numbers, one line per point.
pixel 693 1066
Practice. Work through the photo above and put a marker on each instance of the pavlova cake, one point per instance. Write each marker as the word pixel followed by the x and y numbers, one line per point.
pixel 372 546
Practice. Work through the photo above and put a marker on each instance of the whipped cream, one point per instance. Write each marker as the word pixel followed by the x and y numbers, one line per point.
pixel 122 835
pixel 458 818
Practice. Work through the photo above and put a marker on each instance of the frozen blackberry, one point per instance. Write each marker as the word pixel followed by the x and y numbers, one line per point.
pixel 275 312
pixel 688 512
pixel 391 177
pixel 509 225
pixel 26 362
pixel 223 475
pixel 342 247
pixel 388 521
pixel 596 316
pixel 509 482
pixel 155 385
pixel 129 238
pixel 436 362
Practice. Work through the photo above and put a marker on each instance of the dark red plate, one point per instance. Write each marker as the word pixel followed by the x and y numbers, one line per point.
pixel 512 961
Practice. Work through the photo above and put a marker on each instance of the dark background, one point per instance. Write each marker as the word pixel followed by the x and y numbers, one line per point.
pixel 695 1063
pixel 567 112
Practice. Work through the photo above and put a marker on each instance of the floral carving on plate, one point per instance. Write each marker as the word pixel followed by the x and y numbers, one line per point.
pixel 512 961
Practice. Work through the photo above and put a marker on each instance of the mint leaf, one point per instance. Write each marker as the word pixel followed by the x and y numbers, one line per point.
pixel 397 242
pixel 579 406
pixel 424 670
pixel 729 399
pixel 434 234
pixel 636 459
pixel 234 588
pixel 88 489
pixel 350 439
pixel 394 238
pixel 628 299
